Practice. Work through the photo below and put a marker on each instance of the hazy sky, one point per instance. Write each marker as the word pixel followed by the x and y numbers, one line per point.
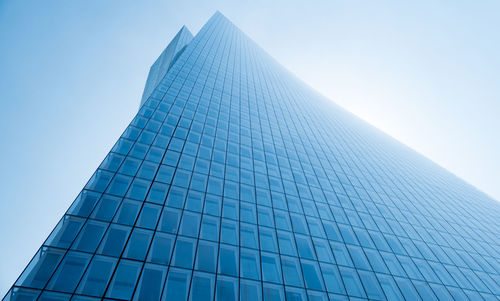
pixel 72 74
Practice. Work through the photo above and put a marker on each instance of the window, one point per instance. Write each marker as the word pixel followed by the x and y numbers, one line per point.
pixel 229 232
pixel 106 208
pixel 312 275
pixel 123 283
pixel 250 264
pixel 202 286
pixel 128 212
pixel 65 232
pixel 352 283
pixel 227 288
pixel 271 270
pixel 69 272
pixel 291 271
pixel 114 241
pixel 177 284
pixel 97 276
pixel 90 236
pixel 161 248
pixel 250 290
pixel 184 252
pixel 332 278
pixel 206 256
pixel 138 244
pixel 190 224
pixel 228 260
pixel 84 203
pixel 41 267
pixel 151 282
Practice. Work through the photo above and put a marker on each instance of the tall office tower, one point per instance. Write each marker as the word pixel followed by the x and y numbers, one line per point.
pixel 236 181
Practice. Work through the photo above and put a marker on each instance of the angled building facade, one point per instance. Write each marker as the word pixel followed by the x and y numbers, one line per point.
pixel 236 181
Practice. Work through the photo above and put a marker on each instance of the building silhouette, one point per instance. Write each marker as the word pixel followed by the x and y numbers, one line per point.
pixel 236 181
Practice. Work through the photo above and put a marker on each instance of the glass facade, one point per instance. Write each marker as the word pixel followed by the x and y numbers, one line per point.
pixel 236 181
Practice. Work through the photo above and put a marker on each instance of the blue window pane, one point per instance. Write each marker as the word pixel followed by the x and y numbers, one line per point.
pixel 184 252
pixel 248 234
pixel 119 185
pixel 122 146
pixel 352 283
pixel 176 197
pixel 97 276
pixel 227 288
pixel 228 260
pixel 389 286
pixel 99 180
pixel 169 221
pixel 177 284
pixel 40 268
pixel 149 216
pixel 138 244
pixel 376 261
pixel 332 278
pixel 250 290
pixel 165 174
pixel 358 257
pixel 229 232
pixel 249 264
pixel 53 296
pixel 292 271
pixel 22 294
pixel 130 166
pixel 312 275
pixel 295 294
pixel 273 292
pixel 210 228
pixel 90 236
pixel 190 224
pixel 287 243
pixel 127 213
pixel 161 248
pixel 271 270
pixel 106 208
pixel 150 283
pixel 323 250
pixel 206 256
pixel 372 287
pixel 194 201
pixel 441 292
pixel 69 272
pixel 114 241
pixel 213 205
pixel 158 193
pixel 202 287
pixel 84 203
pixel 424 290
pixel 124 280
pixel 268 240
pixel 147 170
pixel 138 189
pixel 65 232
pixel 305 247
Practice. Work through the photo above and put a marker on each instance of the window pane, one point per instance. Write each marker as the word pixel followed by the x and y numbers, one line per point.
pixel 69 272
pixel 40 268
pixel 151 283
pixel 202 287
pixel 123 283
pixel 97 276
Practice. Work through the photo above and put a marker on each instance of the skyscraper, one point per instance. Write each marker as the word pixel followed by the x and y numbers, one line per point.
pixel 237 181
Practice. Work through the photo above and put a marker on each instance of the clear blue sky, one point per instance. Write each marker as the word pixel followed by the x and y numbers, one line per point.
pixel 72 74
